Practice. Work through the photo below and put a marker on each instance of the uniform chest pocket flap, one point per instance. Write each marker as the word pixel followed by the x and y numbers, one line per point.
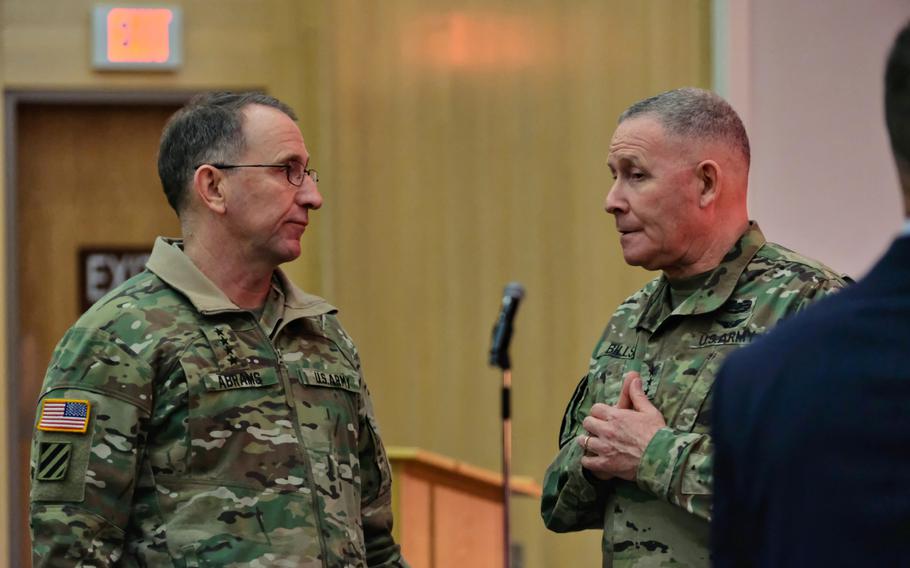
pixel 693 413
pixel 225 393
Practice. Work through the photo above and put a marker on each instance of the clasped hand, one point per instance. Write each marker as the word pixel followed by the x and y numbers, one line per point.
pixel 618 435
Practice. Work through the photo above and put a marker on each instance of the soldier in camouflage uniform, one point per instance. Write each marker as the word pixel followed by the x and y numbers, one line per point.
pixel 635 453
pixel 207 412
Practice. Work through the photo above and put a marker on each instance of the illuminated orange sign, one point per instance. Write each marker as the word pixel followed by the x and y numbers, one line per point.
pixel 479 40
pixel 138 35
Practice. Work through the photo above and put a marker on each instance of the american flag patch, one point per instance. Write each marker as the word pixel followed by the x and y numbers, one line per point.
pixel 64 415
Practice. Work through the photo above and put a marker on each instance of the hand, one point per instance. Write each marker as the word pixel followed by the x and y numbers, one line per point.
pixel 618 435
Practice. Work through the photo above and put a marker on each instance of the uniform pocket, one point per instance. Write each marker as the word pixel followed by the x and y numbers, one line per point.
pixel 328 403
pixel 328 410
pixel 692 413
pixel 240 428
pixel 607 376
pixel 610 378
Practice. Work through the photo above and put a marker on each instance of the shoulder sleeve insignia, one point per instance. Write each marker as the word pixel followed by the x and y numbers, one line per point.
pixel 53 460
pixel 64 415
pixel 569 424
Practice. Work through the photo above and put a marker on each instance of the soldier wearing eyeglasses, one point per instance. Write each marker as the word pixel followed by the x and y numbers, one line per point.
pixel 207 412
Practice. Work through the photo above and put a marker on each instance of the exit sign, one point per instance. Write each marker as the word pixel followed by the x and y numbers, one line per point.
pixel 103 269
pixel 137 37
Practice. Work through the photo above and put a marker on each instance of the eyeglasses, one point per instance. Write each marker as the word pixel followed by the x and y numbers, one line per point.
pixel 295 171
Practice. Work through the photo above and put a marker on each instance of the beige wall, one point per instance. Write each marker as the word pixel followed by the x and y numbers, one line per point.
pixel 808 77
pixel 466 146
pixel 462 145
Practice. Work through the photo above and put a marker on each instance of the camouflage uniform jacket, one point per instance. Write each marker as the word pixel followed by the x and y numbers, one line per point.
pixel 662 519
pixel 213 439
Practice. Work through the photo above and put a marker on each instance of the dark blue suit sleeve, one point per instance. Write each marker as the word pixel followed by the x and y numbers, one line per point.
pixel 729 532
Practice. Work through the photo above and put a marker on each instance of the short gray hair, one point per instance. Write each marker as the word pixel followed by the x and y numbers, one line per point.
pixel 696 114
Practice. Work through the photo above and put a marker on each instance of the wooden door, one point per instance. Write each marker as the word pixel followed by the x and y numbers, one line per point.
pixel 86 177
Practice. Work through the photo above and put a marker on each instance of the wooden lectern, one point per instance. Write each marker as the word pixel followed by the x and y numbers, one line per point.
pixel 448 514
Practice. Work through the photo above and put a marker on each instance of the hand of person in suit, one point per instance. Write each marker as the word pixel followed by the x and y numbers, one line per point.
pixel 618 435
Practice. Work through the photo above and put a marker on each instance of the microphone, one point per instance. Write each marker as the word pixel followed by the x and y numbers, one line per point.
pixel 502 331
pixel 499 356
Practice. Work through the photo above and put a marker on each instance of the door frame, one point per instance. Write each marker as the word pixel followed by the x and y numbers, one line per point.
pixel 12 98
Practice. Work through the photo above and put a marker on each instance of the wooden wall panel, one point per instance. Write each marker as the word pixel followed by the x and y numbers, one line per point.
pixel 465 146
pixel 87 178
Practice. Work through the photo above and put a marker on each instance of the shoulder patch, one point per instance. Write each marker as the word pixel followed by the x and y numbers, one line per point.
pixel 566 429
pixel 53 461
pixel 64 415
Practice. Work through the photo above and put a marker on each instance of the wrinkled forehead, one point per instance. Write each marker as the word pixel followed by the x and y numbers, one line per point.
pixel 644 137
pixel 270 131
pixel 641 138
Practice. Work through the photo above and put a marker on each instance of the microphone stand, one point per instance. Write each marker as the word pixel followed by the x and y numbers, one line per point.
pixel 506 463
pixel 499 357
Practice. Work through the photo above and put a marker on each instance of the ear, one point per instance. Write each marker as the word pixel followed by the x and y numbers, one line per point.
pixel 207 184
pixel 708 174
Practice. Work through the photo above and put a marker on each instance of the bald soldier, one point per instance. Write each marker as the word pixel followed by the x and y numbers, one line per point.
pixel 207 412
pixel 635 453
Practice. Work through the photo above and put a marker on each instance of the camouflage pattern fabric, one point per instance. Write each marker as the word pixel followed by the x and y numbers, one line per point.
pixel 662 520
pixel 214 439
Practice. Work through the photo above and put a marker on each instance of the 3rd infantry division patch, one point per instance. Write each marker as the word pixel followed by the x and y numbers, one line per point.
pixel 53 459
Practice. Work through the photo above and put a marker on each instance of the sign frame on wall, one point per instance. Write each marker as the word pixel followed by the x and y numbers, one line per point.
pixel 101 269
pixel 137 37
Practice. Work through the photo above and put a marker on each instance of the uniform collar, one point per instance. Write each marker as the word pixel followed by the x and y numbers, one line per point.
pixel 170 263
pixel 717 289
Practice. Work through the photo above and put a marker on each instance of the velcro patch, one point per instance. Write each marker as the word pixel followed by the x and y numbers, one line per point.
pixel 313 377
pixel 243 379
pixel 64 415
pixel 53 461
pixel 736 337
pixel 619 351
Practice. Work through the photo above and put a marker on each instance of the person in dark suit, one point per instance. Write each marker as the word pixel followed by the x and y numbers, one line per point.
pixel 812 422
